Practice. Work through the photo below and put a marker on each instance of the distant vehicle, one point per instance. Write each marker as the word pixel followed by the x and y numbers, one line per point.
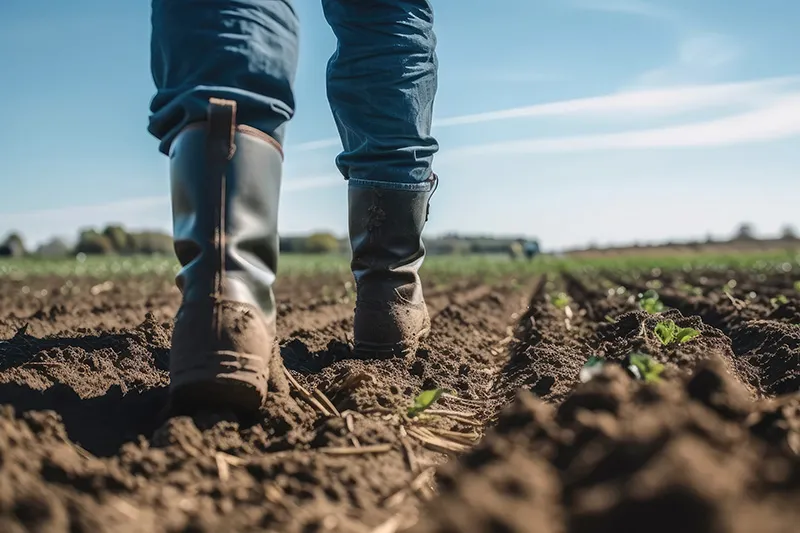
pixel 531 249
pixel 523 248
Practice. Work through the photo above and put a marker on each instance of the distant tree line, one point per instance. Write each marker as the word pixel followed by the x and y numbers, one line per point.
pixel 116 240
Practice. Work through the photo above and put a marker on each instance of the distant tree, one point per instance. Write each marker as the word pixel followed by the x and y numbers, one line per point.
pixel 746 232
pixel 292 244
pixel 90 242
pixel 321 243
pixel 151 243
pixel 120 239
pixel 788 233
pixel 53 248
pixel 12 246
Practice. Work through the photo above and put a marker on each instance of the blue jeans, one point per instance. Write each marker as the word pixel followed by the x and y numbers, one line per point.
pixel 382 79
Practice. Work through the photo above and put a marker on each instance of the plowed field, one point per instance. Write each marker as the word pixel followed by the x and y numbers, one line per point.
pixel 88 442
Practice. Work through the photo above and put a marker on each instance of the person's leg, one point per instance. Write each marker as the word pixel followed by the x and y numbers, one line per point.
pixel 382 82
pixel 241 50
pixel 223 71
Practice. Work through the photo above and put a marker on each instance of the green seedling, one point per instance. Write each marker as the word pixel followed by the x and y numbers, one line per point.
pixel 654 284
pixel 778 301
pixel 651 302
pixel 561 300
pixel 424 400
pixel 668 332
pixel 690 289
pixel 797 286
pixel 643 367
pixel 638 365
pixel 593 366
pixel 610 319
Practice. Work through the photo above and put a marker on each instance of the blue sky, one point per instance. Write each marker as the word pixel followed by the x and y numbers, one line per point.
pixel 576 121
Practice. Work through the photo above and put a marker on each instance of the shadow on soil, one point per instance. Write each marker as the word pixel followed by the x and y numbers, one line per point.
pixel 299 357
pixel 100 425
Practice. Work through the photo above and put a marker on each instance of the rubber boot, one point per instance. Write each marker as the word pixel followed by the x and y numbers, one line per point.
pixel 386 238
pixel 225 184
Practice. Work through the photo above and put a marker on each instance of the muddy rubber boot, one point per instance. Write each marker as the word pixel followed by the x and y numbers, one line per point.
pixel 225 184
pixel 386 239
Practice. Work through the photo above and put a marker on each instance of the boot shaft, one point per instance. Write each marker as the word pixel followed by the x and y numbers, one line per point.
pixel 385 227
pixel 225 184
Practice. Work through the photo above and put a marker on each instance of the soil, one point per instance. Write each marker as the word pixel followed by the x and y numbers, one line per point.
pixel 89 443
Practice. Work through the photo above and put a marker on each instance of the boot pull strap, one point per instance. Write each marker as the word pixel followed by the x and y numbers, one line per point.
pixel 221 147
pixel 222 125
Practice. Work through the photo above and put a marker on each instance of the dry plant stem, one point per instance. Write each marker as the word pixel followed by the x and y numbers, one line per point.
pixel 375 448
pixel 305 394
pixel 326 402
pixel 413 465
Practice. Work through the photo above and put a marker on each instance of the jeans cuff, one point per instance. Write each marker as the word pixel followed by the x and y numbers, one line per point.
pixel 422 186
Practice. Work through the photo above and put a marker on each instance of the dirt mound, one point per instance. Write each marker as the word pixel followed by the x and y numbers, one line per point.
pixel 691 455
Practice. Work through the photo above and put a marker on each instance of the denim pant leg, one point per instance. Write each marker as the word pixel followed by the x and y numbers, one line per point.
pixel 242 50
pixel 382 81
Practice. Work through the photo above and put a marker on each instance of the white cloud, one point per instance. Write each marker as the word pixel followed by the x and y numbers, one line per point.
pixel 658 102
pixel 39 225
pixel 151 212
pixel 777 120
pixel 652 101
pixel 314 145
pixel 629 7
pixel 700 57
pixel 314 182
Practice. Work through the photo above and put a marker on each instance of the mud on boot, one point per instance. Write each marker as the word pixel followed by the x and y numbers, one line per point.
pixel 225 181
pixel 386 223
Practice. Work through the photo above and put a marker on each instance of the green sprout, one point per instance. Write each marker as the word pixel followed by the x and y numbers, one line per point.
pixel 668 332
pixel 654 284
pixel 690 289
pixel 797 285
pixel 651 302
pixel 610 319
pixel 644 367
pixel 424 400
pixel 561 300
pixel 593 366
pixel 778 301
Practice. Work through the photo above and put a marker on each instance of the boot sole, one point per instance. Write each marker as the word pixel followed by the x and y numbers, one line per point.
pixel 220 380
pixel 369 350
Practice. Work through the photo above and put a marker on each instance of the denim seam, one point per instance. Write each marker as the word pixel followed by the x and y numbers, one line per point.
pixel 425 186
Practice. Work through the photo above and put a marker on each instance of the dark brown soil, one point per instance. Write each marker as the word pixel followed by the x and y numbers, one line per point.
pixel 88 442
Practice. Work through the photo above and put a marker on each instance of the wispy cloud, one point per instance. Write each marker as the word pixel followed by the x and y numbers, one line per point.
pixel 777 120
pixel 314 182
pixel 700 57
pixel 39 224
pixel 652 102
pixel 629 7
pixel 155 210
pixel 314 145
pixel 90 211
